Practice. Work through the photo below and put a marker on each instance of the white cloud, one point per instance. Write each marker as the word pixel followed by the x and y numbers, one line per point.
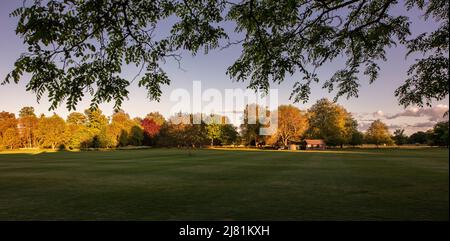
pixel 427 125
pixel 378 114
pixel 435 113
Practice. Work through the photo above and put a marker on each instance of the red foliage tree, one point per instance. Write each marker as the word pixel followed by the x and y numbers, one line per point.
pixel 151 129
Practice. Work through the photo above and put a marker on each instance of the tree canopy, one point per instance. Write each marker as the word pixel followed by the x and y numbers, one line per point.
pixel 331 122
pixel 378 133
pixel 399 137
pixel 292 124
pixel 79 47
pixel 50 131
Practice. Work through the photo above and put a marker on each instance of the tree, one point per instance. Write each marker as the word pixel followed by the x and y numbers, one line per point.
pixel 419 137
pixel 194 135
pixel 330 122
pixel 95 120
pixel 250 128
pixel 176 133
pixel 213 131
pixel 124 130
pixel 430 137
pixel 292 124
pixel 351 134
pixel 83 45
pixel 26 111
pixel 78 135
pixel 156 117
pixel 76 118
pixel 151 130
pixel 440 134
pixel 9 138
pixel 172 132
pixel 96 125
pixel 51 131
pixel 28 124
pixel 378 134
pixel 428 77
pixel 8 124
pixel 120 128
pixel 228 134
pixel 357 138
pixel 136 135
pixel 399 137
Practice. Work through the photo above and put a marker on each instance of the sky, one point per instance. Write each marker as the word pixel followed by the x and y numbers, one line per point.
pixel 375 101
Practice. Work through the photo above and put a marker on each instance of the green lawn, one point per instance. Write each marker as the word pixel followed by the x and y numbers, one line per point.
pixel 168 184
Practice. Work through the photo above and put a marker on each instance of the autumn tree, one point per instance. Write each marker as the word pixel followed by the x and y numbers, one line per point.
pixel 95 119
pixel 331 122
pixel 7 120
pixel 122 131
pixel 9 138
pixel 292 124
pixel 76 118
pixel 151 130
pixel 156 117
pixel 179 131
pixel 78 135
pixel 51 131
pixel 170 135
pixel 120 127
pixel 96 124
pixel 8 130
pixel 378 133
pixel 172 132
pixel 26 111
pixel 28 123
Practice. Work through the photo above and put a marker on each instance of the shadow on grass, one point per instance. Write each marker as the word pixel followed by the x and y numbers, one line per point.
pixel 216 151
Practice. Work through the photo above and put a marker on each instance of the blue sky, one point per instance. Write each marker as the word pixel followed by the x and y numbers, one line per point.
pixel 375 101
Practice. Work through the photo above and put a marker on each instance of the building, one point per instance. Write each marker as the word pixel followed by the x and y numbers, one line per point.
pixel 310 144
pixel 293 147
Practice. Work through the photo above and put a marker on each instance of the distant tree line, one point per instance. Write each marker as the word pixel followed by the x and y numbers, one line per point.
pixel 92 129
pixel 438 136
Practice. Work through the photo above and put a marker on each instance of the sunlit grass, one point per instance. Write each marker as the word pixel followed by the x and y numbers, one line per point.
pixel 329 151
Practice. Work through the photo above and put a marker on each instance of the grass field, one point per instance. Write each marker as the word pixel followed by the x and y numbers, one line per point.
pixel 168 184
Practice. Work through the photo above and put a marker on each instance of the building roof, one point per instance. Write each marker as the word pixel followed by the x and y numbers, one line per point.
pixel 315 141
